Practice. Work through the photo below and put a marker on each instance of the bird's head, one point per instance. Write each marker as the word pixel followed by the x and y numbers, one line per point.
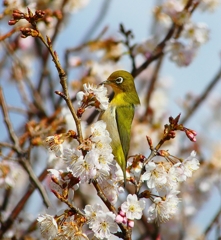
pixel 122 83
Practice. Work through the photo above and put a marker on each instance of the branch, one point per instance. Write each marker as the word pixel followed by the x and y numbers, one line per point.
pixel 37 99
pixel 152 85
pixel 8 34
pixel 53 38
pixel 19 207
pixel 158 51
pixel 214 220
pixel 8 123
pixel 63 82
pixel 203 96
pixel 25 164
pixel 102 14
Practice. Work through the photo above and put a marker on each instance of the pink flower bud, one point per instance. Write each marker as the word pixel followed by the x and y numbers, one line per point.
pixel 119 219
pixel 124 220
pixel 191 134
pixel 122 213
pixel 130 224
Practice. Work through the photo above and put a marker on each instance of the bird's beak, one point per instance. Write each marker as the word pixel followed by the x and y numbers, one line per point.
pixel 104 82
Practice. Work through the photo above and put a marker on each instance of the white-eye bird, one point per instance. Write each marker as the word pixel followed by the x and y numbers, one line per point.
pixel 120 113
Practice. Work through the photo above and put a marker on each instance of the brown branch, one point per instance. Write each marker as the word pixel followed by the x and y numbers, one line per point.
pixel 158 51
pixel 152 85
pixel 25 164
pixel 8 34
pixel 53 38
pixel 8 123
pixel 37 99
pixel 127 42
pixel 214 220
pixel 7 145
pixel 63 82
pixel 19 207
pixel 203 96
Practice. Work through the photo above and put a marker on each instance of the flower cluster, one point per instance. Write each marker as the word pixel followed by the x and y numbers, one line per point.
pixel 182 53
pixel 102 223
pixel 92 159
pixel 96 162
pixel 164 178
pixel 61 227
pixel 181 50
pixel 92 96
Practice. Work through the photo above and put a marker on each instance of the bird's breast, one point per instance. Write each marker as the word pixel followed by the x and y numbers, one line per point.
pixel 109 117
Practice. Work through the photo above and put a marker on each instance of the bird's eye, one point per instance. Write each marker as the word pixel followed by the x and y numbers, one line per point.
pixel 119 80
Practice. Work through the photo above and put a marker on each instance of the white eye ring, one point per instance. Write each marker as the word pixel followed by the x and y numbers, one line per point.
pixel 119 80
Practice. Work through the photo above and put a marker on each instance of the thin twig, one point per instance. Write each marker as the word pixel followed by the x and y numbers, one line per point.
pixel 25 164
pixel 20 205
pixel 8 34
pixel 8 145
pixel 37 99
pixel 45 56
pixel 102 13
pixel 203 96
pixel 158 51
pixel 214 220
pixel 7 121
pixel 152 84
pixel 63 82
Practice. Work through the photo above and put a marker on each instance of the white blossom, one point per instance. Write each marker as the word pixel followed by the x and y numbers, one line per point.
pixel 101 139
pixel 99 132
pixel 190 164
pixel 181 54
pixel 85 168
pixel 177 173
pixel 104 225
pixel 48 226
pixel 209 5
pixel 101 223
pixel 99 94
pixel 181 171
pixel 172 7
pixel 75 5
pixel 91 212
pixel 71 156
pixel 197 32
pixel 155 175
pixel 133 207
pixel 147 47
pixel 164 208
pixel 54 144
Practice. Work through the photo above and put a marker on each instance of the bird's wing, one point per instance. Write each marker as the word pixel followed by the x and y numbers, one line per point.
pixel 124 117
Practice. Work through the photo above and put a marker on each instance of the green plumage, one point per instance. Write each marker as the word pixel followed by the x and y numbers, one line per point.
pixel 119 115
pixel 124 117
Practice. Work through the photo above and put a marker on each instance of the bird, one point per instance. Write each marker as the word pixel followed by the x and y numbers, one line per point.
pixel 119 114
